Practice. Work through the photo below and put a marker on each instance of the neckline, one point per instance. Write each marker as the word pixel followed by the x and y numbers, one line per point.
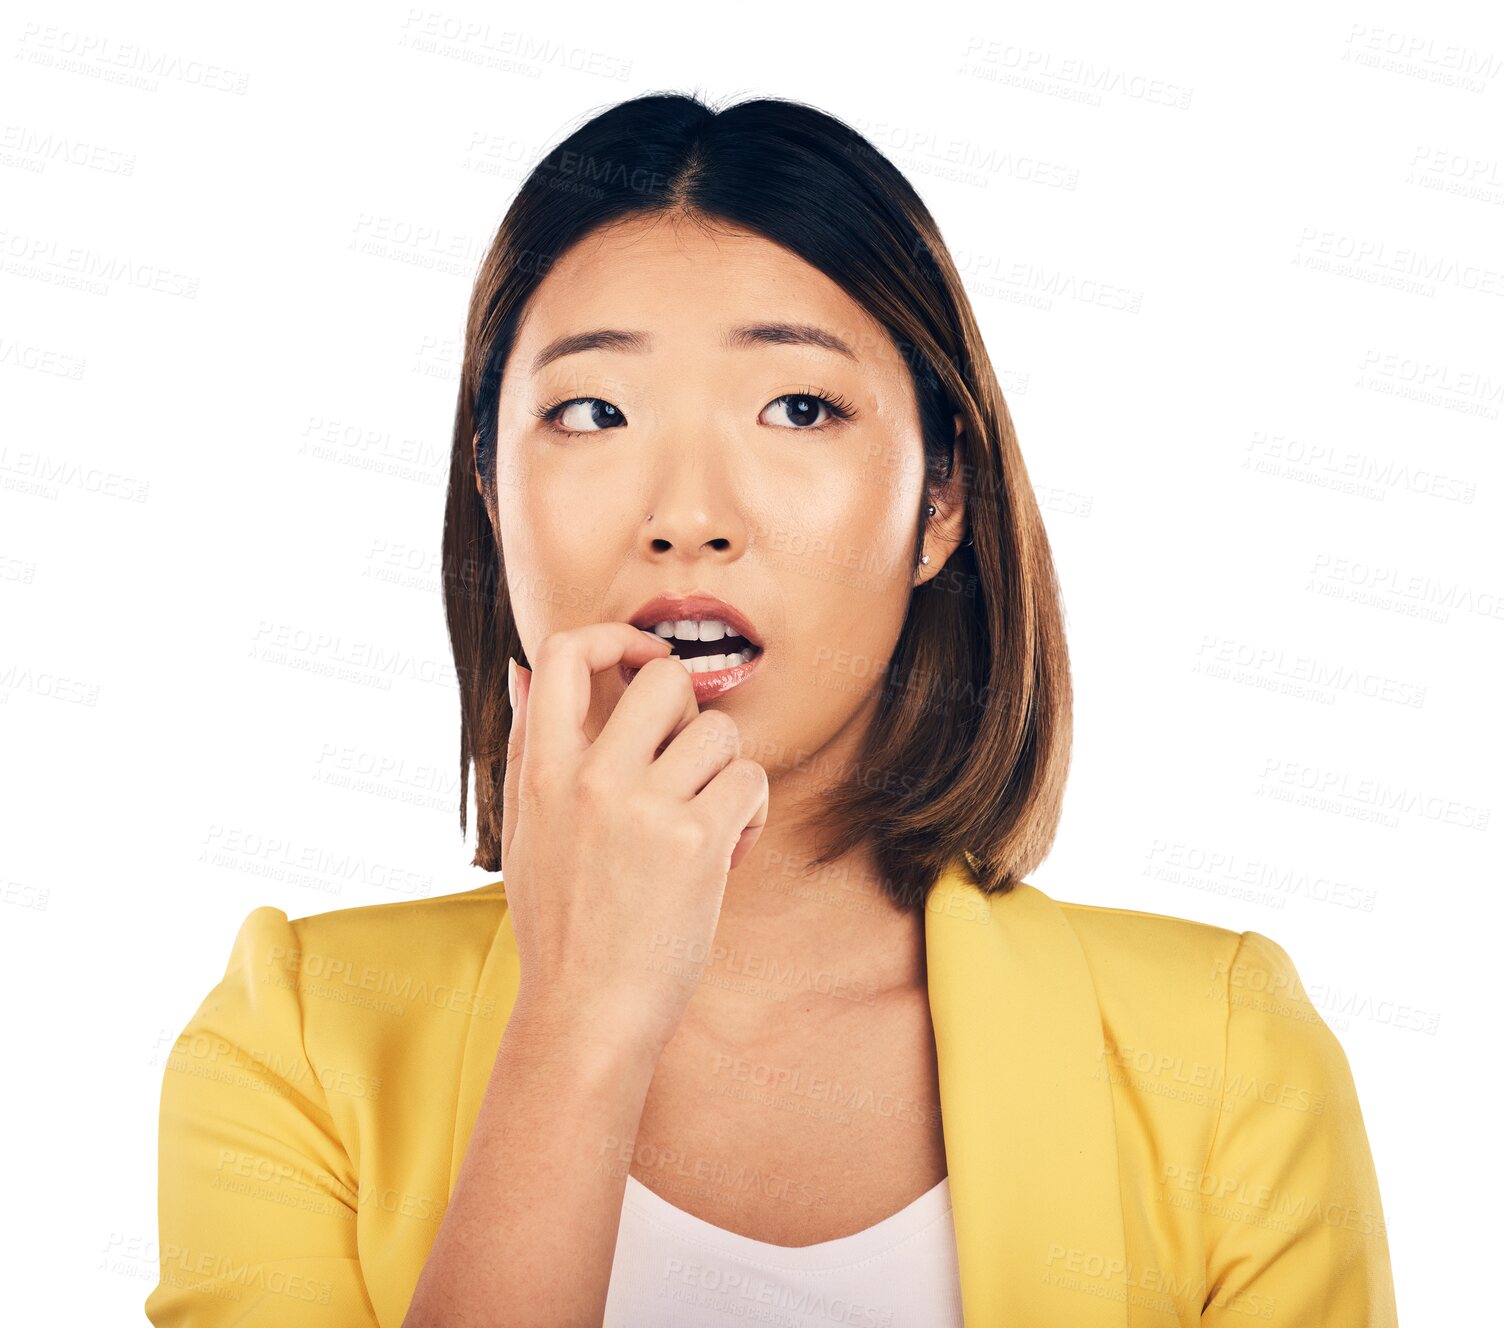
pixel 825 1255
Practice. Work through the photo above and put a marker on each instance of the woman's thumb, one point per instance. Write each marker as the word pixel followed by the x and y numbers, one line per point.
pixel 519 682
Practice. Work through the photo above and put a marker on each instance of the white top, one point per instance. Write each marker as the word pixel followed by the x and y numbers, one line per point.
pixel 672 1269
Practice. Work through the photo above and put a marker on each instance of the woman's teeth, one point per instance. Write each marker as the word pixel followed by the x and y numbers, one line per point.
pixel 709 663
pixel 705 629
pixel 693 629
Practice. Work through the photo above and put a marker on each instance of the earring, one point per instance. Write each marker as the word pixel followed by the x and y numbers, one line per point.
pixel 932 510
pixel 925 558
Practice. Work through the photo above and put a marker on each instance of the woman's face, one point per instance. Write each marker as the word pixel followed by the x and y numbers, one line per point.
pixel 760 492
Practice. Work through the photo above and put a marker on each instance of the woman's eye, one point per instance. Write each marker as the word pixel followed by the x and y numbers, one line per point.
pixel 802 411
pixel 584 415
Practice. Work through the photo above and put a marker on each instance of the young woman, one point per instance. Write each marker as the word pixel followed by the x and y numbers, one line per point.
pixel 766 692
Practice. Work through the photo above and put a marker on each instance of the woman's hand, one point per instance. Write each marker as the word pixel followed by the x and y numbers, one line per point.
pixel 614 857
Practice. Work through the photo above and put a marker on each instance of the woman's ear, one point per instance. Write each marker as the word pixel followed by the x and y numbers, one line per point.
pixel 944 531
pixel 487 499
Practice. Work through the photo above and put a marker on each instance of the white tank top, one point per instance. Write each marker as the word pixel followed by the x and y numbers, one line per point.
pixel 671 1269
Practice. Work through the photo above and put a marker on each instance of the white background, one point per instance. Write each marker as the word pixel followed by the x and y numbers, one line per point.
pixel 235 269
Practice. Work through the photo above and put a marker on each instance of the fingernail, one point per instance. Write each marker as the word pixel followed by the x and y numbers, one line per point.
pixel 512 682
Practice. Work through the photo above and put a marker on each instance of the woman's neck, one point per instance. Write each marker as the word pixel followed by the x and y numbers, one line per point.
pixel 794 940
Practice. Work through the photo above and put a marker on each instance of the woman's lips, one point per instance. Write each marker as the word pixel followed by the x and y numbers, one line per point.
pixel 713 682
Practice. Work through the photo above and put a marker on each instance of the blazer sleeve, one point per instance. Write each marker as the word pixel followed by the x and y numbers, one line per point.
pixel 1295 1232
pixel 256 1195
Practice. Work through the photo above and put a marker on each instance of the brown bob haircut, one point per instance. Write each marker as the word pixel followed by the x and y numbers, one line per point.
pixel 968 750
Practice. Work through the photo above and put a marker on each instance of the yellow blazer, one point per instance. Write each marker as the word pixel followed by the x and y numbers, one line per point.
pixel 1146 1121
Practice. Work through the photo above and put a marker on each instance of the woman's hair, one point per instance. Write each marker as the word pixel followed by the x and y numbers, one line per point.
pixel 968 750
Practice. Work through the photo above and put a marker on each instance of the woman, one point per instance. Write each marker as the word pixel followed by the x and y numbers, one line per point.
pixel 763 1021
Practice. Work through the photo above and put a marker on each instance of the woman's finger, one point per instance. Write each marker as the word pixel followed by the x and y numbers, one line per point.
pixel 520 681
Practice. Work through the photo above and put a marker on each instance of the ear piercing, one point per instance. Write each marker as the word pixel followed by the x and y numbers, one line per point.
pixel 930 511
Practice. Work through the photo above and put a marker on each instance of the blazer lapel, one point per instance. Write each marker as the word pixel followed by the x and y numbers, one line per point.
pixel 1026 1108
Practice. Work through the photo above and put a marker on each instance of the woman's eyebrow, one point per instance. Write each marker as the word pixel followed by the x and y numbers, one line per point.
pixel 749 334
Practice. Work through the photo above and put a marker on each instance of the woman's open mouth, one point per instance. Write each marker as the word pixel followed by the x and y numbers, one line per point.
pixel 715 667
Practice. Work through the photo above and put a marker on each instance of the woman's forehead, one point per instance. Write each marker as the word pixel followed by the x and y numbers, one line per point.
pixel 671 284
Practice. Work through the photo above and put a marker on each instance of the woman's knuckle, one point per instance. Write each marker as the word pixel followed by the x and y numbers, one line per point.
pixel 688 837
pixel 594 783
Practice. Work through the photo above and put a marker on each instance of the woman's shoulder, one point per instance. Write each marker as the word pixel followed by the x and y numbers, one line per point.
pixel 1161 977
pixel 1136 942
pixel 1137 939
pixel 441 920
pixel 450 924
pixel 371 960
